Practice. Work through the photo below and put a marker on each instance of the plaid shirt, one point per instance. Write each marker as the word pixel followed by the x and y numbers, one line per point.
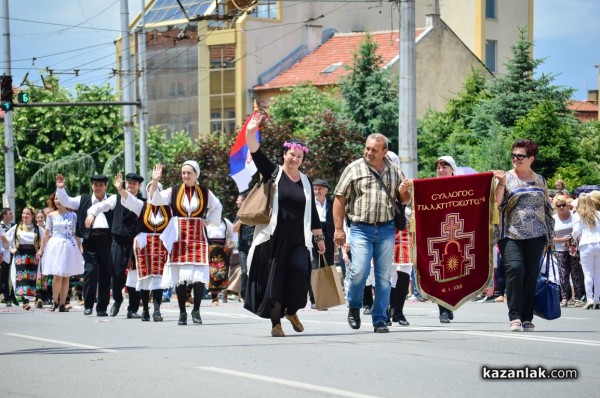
pixel 366 201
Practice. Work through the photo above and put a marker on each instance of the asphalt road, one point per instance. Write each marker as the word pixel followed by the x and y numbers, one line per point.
pixel 51 354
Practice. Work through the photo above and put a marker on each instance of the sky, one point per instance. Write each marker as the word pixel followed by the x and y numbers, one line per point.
pixel 64 35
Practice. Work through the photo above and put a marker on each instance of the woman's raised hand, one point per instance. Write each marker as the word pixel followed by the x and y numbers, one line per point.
pixel 255 121
pixel 157 172
pixel 60 181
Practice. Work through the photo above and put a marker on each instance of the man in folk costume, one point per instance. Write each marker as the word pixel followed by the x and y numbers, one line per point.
pixel 96 242
pixel 149 252
pixel 124 229
pixel 193 206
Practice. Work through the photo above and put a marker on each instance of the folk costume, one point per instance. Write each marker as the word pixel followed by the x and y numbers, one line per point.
pixel 96 243
pixel 280 255
pixel 6 287
pixel 220 240
pixel 25 239
pixel 401 278
pixel 186 242
pixel 149 252
pixel 124 229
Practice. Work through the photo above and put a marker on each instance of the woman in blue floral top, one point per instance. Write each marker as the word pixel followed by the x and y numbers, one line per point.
pixel 526 227
pixel 60 252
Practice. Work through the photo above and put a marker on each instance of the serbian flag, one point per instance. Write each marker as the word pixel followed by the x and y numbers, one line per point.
pixel 452 231
pixel 241 165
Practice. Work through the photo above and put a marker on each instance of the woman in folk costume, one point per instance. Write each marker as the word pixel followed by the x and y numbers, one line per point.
pixel 401 279
pixel 24 239
pixel 193 207
pixel 221 241
pixel 279 258
pixel 149 251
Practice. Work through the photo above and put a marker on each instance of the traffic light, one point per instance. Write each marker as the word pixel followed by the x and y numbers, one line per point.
pixel 23 98
pixel 7 93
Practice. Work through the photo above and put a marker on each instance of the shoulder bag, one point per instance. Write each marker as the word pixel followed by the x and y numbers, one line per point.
pixel 257 207
pixel 399 216
pixel 547 293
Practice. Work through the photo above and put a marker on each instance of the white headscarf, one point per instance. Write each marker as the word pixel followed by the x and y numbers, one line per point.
pixel 450 161
pixel 194 165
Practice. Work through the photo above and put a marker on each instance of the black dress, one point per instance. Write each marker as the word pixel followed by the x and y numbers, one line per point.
pixel 280 269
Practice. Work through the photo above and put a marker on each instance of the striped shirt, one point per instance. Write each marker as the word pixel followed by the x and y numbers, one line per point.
pixel 366 201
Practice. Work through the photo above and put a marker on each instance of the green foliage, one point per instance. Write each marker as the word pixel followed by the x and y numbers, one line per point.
pixel 301 106
pixel 575 175
pixel 68 140
pixel 479 126
pixel 371 94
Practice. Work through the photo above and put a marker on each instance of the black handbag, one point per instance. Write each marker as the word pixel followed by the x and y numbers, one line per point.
pixel 399 216
pixel 547 293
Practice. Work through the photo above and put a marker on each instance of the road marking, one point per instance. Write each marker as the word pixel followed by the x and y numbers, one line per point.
pixel 60 342
pixel 289 383
pixel 512 335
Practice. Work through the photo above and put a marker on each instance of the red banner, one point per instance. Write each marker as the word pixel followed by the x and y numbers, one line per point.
pixel 452 234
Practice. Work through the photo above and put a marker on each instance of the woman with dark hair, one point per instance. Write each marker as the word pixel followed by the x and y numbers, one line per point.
pixel 280 254
pixel 193 207
pixel 526 227
pixel 60 252
pixel 24 239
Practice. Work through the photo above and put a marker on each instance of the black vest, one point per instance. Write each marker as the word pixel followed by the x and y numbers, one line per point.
pixel 84 204
pixel 177 194
pixel 144 224
pixel 125 221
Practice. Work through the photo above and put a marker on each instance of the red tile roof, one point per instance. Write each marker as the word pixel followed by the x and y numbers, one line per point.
pixel 338 50
pixel 583 106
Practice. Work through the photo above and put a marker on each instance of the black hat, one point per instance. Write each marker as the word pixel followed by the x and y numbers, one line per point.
pixel 134 177
pixel 321 182
pixel 99 178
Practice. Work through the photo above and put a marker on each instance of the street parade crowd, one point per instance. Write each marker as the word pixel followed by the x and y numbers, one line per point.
pixel 88 247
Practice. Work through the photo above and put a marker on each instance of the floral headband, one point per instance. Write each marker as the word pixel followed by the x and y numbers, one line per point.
pixel 295 145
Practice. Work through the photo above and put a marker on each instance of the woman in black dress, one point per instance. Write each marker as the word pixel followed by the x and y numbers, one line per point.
pixel 279 258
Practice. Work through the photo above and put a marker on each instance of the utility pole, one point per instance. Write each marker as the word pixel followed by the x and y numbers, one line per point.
pixel 407 124
pixel 9 151
pixel 126 89
pixel 143 112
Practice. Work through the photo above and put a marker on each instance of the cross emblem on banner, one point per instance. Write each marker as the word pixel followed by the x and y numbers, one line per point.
pixel 450 253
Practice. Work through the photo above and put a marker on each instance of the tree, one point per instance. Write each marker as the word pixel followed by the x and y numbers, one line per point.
pixel 301 106
pixel 370 94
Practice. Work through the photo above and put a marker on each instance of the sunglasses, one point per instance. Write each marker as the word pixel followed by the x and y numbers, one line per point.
pixel 518 156
pixel 563 205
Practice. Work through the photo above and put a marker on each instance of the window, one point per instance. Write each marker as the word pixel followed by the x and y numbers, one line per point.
pixel 332 68
pixel 222 88
pixel 490 9
pixel 490 54
pixel 266 9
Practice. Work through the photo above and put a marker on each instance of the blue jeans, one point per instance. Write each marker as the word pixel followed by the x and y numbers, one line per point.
pixel 369 242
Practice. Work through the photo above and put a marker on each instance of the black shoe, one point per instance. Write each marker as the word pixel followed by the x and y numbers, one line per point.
pixel 451 315
pixel 133 315
pixel 402 321
pixel 444 318
pixel 62 308
pixel 196 317
pixel 114 310
pixel 354 318
pixel 101 313
pixel 157 317
pixel 53 307
pixel 87 311
pixel 166 300
pixel 145 316
pixel 182 319
pixel 368 310
pixel 380 327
